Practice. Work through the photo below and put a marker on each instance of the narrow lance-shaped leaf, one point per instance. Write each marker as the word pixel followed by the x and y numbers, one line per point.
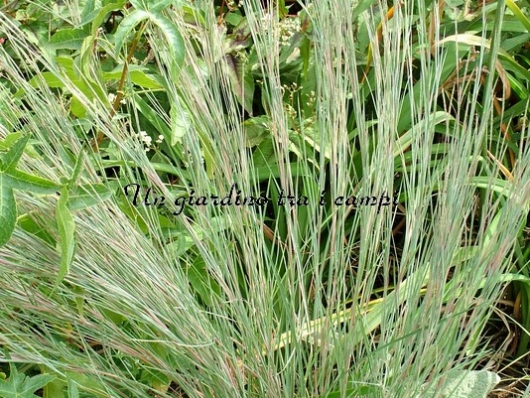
pixel 126 26
pixel 66 225
pixel 8 211
pixel 77 169
pixel 174 38
pixel 12 156
pixel 16 179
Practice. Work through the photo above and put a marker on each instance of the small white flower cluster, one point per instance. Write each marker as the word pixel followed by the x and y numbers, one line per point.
pixel 147 140
pixel 292 89
pixel 288 28
pixel 312 99
pixel 112 97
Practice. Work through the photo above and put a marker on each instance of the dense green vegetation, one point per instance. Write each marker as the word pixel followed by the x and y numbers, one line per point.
pixel 264 198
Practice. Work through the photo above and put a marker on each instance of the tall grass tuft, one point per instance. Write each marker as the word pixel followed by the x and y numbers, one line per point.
pixel 276 300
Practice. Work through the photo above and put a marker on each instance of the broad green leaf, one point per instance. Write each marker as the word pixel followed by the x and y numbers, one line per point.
pixel 21 386
pixel 77 108
pixel 86 381
pixel 11 158
pixel 370 320
pixel 202 282
pixel 519 14
pixel 498 185
pixel 269 171
pixel 49 78
pixel 314 139
pixel 68 66
pixel 194 15
pixel 66 225
pixel 361 6
pixel 180 123
pixel 99 15
pixel 264 155
pixel 90 6
pixel 256 129
pixel 511 64
pixel 471 40
pixel 241 82
pixel 464 384
pixel 54 389
pixel 112 315
pixel 157 6
pixel 8 211
pixel 70 39
pixel 406 139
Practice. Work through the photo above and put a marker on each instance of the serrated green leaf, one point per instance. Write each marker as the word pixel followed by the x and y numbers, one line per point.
pixel 12 156
pixel 8 211
pixel 66 226
pixel 20 386
pixel 32 384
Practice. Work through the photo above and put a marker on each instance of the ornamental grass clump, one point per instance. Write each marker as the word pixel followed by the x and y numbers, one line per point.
pixel 124 274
